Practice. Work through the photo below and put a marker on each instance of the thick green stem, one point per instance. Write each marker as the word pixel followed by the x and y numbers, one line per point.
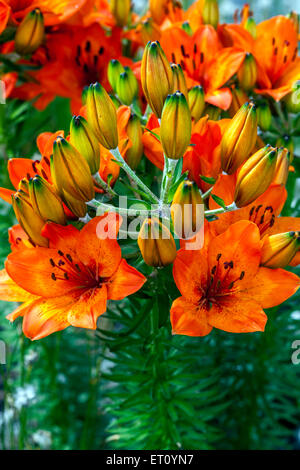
pixel 117 155
pixel 120 210
pixel 205 195
pixel 168 174
pixel 229 208
pixel 104 185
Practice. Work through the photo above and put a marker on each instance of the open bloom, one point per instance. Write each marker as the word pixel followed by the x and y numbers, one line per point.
pixel 264 211
pixel 223 286
pixel 204 61
pixel 275 49
pixel 70 282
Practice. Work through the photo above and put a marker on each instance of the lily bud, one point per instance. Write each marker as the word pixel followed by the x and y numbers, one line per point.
pixel 264 116
pixel 287 142
pixel 127 87
pixel 77 208
pixel 176 126
pixel 255 176
pixel 114 70
pixel 156 76
pixel 187 28
pixel 30 33
pixel 70 172
pixel 24 185
pixel 29 220
pixel 83 138
pixel 121 10
pixel 186 210
pixel 247 73
pixel 239 98
pixel 102 116
pixel 135 152
pixel 250 26
pixel 179 83
pixel 149 31
pixel 295 19
pixel 196 102
pixel 282 167
pixel 156 243
pixel 292 100
pixel 210 13
pixel 279 250
pixel 158 10
pixel 239 138
pixel 45 202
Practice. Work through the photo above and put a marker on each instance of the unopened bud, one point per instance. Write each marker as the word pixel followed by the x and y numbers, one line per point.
pixel 187 210
pixel 179 83
pixel 135 152
pixel 247 73
pixel 29 220
pixel 287 142
pixel 102 116
pixel 255 176
pixel 295 18
pixel 149 31
pixel 114 70
pixel 292 100
pixel 127 87
pixel 70 171
pixel 239 97
pixel 176 126
pixel 45 202
pixel 156 243
pixel 187 28
pixel 30 33
pixel 282 167
pixel 83 138
pixel 121 10
pixel 278 250
pixel 213 112
pixel 156 76
pixel 239 138
pixel 264 116
pixel 210 13
pixel 196 102
pixel 250 26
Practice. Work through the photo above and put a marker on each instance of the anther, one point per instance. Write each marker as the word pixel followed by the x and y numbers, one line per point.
pixel 53 277
pixel 52 262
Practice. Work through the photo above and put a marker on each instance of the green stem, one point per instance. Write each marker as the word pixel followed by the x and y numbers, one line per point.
pixel 205 195
pixel 117 155
pixel 229 208
pixel 168 174
pixel 104 185
pixel 120 210
pixel 280 114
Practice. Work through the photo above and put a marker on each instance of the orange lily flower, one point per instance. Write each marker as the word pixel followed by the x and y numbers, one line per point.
pixel 54 12
pixel 203 60
pixel 77 55
pixel 275 50
pixel 264 211
pixel 70 282
pixel 223 287
pixel 4 15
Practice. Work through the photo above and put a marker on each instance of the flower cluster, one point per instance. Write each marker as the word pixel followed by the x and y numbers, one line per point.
pixel 198 133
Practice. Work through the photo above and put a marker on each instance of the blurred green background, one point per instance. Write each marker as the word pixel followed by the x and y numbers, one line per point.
pixel 73 391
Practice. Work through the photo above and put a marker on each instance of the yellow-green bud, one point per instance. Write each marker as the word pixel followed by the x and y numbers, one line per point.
pixel 127 86
pixel 176 126
pixel 210 13
pixel 239 138
pixel 102 116
pixel 255 176
pixel 83 138
pixel 247 74
pixel 156 76
pixel 196 102
pixel 30 33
